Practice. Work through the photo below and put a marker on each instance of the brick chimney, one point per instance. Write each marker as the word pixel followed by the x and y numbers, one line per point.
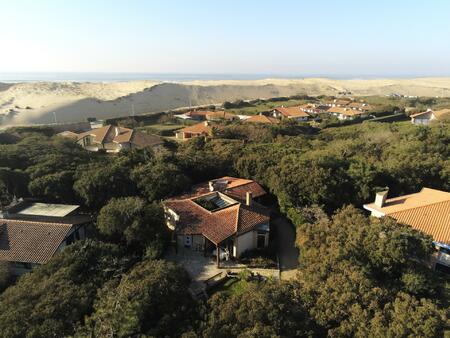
pixel 380 198
pixel 249 198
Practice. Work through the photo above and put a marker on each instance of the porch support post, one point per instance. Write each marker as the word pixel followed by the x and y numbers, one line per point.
pixel 175 237
pixel 218 255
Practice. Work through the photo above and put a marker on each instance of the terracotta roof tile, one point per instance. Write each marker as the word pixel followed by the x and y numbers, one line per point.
pixel 223 223
pixel 427 211
pixel 433 219
pixel 199 128
pixel 262 119
pixel 292 112
pixel 30 242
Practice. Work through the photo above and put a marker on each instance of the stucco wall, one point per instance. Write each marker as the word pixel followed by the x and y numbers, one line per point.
pixel 244 242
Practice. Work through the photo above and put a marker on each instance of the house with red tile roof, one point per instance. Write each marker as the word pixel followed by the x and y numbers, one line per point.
pixel 427 211
pixel 203 115
pixel 31 233
pixel 222 216
pixel 346 113
pixel 113 139
pixel 262 119
pixel 199 129
pixel 295 113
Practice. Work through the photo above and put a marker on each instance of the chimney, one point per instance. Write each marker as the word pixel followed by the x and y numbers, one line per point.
pixel 211 186
pixel 117 130
pixel 206 123
pixel 248 198
pixel 380 198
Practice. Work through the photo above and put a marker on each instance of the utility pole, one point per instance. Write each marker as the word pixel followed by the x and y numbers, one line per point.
pixel 54 116
pixel 132 109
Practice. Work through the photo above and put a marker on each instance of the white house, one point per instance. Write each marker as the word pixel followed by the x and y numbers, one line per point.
pixel 429 115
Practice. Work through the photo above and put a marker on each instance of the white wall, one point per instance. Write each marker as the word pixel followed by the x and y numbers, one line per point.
pixel 244 242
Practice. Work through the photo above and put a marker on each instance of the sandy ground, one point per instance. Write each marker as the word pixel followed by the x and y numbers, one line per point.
pixel 27 103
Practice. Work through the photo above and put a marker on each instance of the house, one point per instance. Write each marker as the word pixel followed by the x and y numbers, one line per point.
pixel 221 116
pixel 261 119
pixel 31 233
pixel 342 102
pixel 113 139
pixel 309 108
pixel 346 113
pixel 202 115
pixel 222 216
pixel 295 113
pixel 199 115
pixel 199 129
pixel 426 117
pixel 361 106
pixel 427 211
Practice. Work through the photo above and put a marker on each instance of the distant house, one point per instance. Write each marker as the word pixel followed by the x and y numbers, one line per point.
pixel 221 116
pixel 261 119
pixel 113 139
pixel 343 102
pixel 199 129
pixel 295 113
pixel 202 115
pixel 309 108
pixel 219 216
pixel 31 233
pixel 361 106
pixel 427 211
pixel 346 113
pixel 426 117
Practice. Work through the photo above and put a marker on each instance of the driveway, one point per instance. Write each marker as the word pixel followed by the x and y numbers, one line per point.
pixel 287 252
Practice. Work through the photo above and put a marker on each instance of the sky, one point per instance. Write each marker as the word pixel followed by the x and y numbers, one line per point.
pixel 298 37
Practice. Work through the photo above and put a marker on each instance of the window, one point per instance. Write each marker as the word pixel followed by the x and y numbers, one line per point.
pixel 187 241
pixel 261 239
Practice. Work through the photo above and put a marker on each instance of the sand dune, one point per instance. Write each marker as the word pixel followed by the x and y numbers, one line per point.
pixel 28 103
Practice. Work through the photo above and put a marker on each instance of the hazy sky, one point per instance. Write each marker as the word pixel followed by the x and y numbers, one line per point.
pixel 396 38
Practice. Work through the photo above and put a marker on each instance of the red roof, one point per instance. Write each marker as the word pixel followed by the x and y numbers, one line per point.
pixel 30 242
pixel 218 225
pixel 292 112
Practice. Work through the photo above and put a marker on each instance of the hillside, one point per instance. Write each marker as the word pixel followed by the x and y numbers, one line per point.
pixel 28 103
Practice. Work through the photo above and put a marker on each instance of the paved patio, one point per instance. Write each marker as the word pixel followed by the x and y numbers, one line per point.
pixel 199 267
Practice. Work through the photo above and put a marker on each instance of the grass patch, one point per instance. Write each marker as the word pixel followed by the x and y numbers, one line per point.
pixel 231 286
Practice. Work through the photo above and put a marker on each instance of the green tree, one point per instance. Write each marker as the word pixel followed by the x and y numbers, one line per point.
pixel 268 310
pixel 152 300
pixel 158 179
pixel 54 299
pixel 97 183
pixel 132 221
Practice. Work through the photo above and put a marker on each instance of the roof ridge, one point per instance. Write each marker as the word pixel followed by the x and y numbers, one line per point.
pixel 419 207
pixel 5 220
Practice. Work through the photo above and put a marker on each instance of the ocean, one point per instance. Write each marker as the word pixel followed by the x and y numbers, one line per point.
pixel 11 77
